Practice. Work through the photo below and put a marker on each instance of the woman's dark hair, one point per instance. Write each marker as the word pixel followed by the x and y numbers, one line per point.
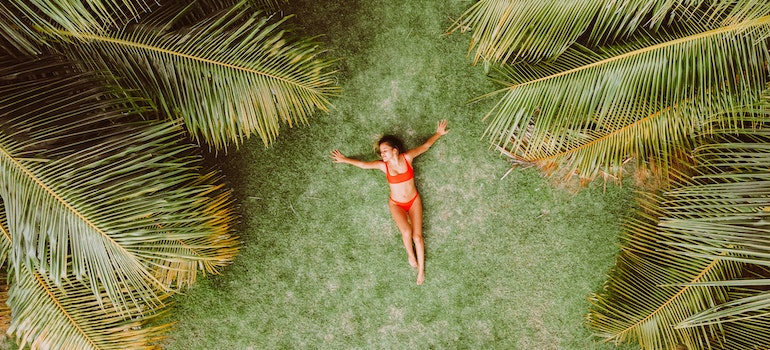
pixel 392 141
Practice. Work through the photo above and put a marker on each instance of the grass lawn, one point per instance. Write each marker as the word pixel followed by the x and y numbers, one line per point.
pixel 509 262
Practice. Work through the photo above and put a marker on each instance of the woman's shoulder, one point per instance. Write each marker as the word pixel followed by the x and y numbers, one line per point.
pixel 381 165
pixel 409 155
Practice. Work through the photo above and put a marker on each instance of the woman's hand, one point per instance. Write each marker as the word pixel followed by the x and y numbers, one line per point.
pixel 337 156
pixel 441 129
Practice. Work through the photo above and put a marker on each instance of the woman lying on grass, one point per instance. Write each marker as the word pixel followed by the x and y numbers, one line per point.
pixel 405 204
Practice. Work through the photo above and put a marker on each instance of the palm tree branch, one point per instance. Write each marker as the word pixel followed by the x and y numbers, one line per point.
pixel 61 309
pixel 70 314
pixel 673 298
pixel 507 30
pixel 642 51
pixel 615 147
pixel 613 134
pixel 58 198
pixel 730 208
pixel 231 74
pixel 67 315
pixel 537 30
pixel 5 242
pixel 650 290
pixel 734 311
pixel 537 122
pixel 715 215
pixel 81 16
pixel 178 54
pixel 118 196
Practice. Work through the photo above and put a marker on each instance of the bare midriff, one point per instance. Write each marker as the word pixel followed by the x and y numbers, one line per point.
pixel 403 191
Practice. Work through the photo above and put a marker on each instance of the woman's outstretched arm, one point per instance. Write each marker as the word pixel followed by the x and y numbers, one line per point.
pixel 440 131
pixel 338 157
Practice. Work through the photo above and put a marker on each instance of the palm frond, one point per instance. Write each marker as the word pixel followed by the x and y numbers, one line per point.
pixel 16 37
pixel 637 102
pixel 5 238
pixel 5 247
pixel 729 205
pixel 652 144
pixel 266 5
pixel 649 290
pixel 734 12
pixel 532 31
pixel 77 16
pixel 67 315
pixel 90 194
pixel 210 210
pixel 505 30
pixel 228 77
pixel 717 219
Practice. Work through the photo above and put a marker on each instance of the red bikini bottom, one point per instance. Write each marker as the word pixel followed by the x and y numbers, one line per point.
pixel 405 205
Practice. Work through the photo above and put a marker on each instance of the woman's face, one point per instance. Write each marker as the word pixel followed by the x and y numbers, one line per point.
pixel 387 152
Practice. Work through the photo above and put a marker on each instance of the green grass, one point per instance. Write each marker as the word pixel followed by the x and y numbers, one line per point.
pixel 509 262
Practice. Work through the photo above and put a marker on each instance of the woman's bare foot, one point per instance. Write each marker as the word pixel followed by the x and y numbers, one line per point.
pixel 420 277
pixel 412 261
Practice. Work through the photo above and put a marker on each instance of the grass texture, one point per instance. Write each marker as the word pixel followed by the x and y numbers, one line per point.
pixel 509 261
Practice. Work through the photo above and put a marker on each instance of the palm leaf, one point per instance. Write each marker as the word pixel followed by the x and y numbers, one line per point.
pixel 745 317
pixel 730 205
pixel 535 30
pixel 90 195
pixel 505 30
pixel 715 224
pixel 501 32
pixel 210 210
pixel 229 76
pixel 67 315
pixel 734 12
pixel 49 317
pixel 181 15
pixel 5 243
pixel 589 120
pixel 649 290
pixel 652 143
pixel 5 247
pixel 16 37
pixel 94 16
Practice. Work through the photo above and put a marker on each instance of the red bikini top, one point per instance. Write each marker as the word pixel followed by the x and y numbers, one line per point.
pixel 399 178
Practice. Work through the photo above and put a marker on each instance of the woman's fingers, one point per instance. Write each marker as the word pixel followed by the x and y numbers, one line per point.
pixel 441 129
pixel 336 155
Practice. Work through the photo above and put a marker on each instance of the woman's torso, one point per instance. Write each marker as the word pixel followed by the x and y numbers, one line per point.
pixel 401 180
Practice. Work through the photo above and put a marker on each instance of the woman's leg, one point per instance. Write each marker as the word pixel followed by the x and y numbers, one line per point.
pixel 402 221
pixel 415 216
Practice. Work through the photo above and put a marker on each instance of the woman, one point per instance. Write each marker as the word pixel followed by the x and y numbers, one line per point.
pixel 405 204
